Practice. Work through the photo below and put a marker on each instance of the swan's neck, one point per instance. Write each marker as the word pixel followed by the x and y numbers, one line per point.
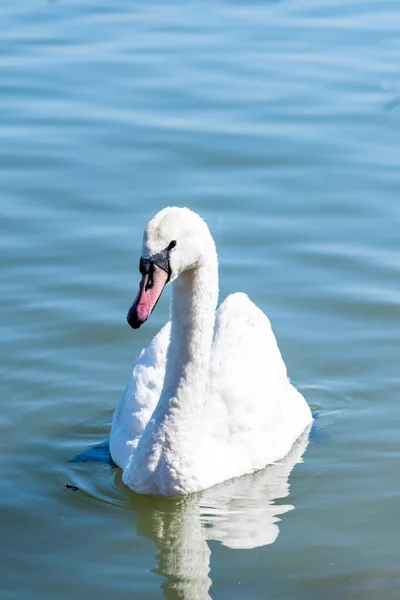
pixel 194 302
pixel 170 444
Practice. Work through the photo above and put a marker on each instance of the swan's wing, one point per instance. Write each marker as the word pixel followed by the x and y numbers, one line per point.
pixel 253 414
pixel 140 397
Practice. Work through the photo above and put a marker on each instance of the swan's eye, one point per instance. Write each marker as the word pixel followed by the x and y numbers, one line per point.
pixel 172 245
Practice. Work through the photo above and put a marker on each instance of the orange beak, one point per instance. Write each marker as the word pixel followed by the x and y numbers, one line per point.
pixel 151 287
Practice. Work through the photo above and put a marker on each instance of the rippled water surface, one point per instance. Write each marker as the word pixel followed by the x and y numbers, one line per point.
pixel 279 122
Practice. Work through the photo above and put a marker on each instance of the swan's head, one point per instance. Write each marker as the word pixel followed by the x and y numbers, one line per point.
pixel 174 241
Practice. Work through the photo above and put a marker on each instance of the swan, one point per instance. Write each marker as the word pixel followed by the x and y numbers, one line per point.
pixel 209 398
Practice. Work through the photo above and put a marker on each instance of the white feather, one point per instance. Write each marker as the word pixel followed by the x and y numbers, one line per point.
pixel 209 398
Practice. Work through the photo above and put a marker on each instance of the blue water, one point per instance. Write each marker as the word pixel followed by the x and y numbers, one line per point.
pixel 279 123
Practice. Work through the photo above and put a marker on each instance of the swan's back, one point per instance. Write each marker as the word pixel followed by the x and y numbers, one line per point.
pixel 253 413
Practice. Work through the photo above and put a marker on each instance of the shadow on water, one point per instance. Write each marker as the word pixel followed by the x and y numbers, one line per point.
pixel 240 514
pixel 98 453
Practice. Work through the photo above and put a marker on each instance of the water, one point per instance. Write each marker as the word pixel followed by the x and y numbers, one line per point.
pixel 279 123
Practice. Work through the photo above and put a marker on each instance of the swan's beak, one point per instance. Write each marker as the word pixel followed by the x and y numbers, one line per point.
pixel 151 287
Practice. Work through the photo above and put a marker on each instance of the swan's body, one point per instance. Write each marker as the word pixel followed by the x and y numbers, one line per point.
pixel 209 399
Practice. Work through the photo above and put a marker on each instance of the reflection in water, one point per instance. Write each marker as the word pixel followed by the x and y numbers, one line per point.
pixel 240 513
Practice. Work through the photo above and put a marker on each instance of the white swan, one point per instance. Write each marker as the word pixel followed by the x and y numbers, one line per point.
pixel 209 398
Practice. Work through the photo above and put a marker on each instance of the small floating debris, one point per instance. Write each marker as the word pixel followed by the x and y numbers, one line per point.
pixel 74 488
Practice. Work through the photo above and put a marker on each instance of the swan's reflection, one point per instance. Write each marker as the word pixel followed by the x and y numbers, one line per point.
pixel 240 513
